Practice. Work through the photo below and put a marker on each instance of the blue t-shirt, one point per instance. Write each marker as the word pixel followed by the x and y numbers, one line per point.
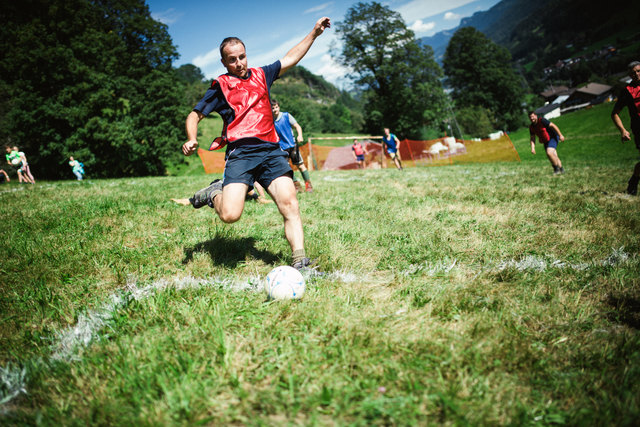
pixel 391 142
pixel 283 127
pixel 214 100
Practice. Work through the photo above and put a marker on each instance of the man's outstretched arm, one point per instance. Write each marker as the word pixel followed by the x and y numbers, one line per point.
pixel 300 50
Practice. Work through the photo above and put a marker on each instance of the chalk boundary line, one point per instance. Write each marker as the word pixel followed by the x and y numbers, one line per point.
pixel 13 378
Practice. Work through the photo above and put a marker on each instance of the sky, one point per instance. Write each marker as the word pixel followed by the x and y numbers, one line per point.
pixel 269 29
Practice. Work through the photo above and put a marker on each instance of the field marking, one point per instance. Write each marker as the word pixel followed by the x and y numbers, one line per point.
pixel 13 381
pixel 85 330
pixel 72 339
pixel 12 190
pixel 527 263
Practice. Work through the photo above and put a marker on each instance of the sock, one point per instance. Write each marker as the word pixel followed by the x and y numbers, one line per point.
pixel 298 255
pixel 305 175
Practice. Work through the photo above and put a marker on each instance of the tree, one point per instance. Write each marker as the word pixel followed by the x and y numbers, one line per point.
pixel 475 121
pixel 92 79
pixel 399 76
pixel 480 74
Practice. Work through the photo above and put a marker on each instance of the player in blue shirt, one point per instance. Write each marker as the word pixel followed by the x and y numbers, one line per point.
pixel 392 145
pixel 285 123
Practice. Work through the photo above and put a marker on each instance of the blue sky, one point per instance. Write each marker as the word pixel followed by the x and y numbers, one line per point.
pixel 270 29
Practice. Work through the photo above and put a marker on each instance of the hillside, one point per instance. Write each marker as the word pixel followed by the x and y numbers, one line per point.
pixel 541 33
pixel 316 104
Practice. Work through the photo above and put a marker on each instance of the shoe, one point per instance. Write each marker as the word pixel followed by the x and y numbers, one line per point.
pixel 205 196
pixel 309 187
pixel 632 187
pixel 298 186
pixel 304 264
pixel 556 170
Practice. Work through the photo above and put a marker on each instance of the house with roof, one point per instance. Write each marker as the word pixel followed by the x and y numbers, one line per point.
pixel 591 94
pixel 549 111
pixel 552 92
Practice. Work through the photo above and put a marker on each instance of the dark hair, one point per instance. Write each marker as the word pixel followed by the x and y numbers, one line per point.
pixel 531 112
pixel 229 40
pixel 632 65
pixel 274 102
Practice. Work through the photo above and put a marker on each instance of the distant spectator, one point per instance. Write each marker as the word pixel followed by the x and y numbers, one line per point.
pixel 549 135
pixel 13 157
pixel 630 98
pixel 18 159
pixel 77 168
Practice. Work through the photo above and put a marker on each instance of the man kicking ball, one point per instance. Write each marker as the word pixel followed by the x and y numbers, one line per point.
pixel 241 97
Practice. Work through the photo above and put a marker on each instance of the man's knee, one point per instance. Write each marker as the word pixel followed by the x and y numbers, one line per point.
pixel 288 206
pixel 230 203
pixel 229 216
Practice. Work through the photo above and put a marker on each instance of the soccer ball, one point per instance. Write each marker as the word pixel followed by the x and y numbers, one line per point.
pixel 16 161
pixel 284 282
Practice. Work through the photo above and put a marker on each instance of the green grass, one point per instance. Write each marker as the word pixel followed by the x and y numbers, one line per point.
pixel 471 294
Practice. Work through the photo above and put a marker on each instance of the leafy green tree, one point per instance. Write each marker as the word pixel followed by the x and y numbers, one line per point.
pixel 195 86
pixel 92 79
pixel 399 75
pixel 475 121
pixel 480 73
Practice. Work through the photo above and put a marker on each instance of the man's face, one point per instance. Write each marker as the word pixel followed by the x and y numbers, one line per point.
pixel 234 59
pixel 533 118
pixel 635 73
pixel 275 109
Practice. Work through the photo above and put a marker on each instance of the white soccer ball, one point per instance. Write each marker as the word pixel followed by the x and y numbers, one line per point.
pixel 16 161
pixel 284 282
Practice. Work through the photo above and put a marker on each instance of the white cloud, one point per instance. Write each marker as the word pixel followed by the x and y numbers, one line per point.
pixel 424 9
pixel 167 17
pixel 422 27
pixel 331 70
pixel 205 60
pixel 450 16
pixel 318 8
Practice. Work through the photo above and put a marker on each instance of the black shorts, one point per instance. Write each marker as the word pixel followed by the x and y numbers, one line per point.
pixel 294 155
pixel 635 130
pixel 247 164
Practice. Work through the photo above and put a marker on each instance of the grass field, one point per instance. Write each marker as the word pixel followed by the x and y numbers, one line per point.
pixel 476 294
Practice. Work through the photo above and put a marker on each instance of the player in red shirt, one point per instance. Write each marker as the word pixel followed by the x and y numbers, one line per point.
pixel 549 135
pixel 630 98
pixel 241 97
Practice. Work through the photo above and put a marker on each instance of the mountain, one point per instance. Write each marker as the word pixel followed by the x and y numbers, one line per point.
pixel 497 23
pixel 549 30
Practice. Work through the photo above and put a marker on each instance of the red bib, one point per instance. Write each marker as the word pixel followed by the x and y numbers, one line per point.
pixel 249 99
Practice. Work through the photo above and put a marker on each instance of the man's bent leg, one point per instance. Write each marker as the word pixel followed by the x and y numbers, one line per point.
pixel 230 203
pixel 283 193
pixel 552 154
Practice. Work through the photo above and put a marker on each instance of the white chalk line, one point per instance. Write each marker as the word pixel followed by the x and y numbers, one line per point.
pixel 70 340
pixel 527 263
